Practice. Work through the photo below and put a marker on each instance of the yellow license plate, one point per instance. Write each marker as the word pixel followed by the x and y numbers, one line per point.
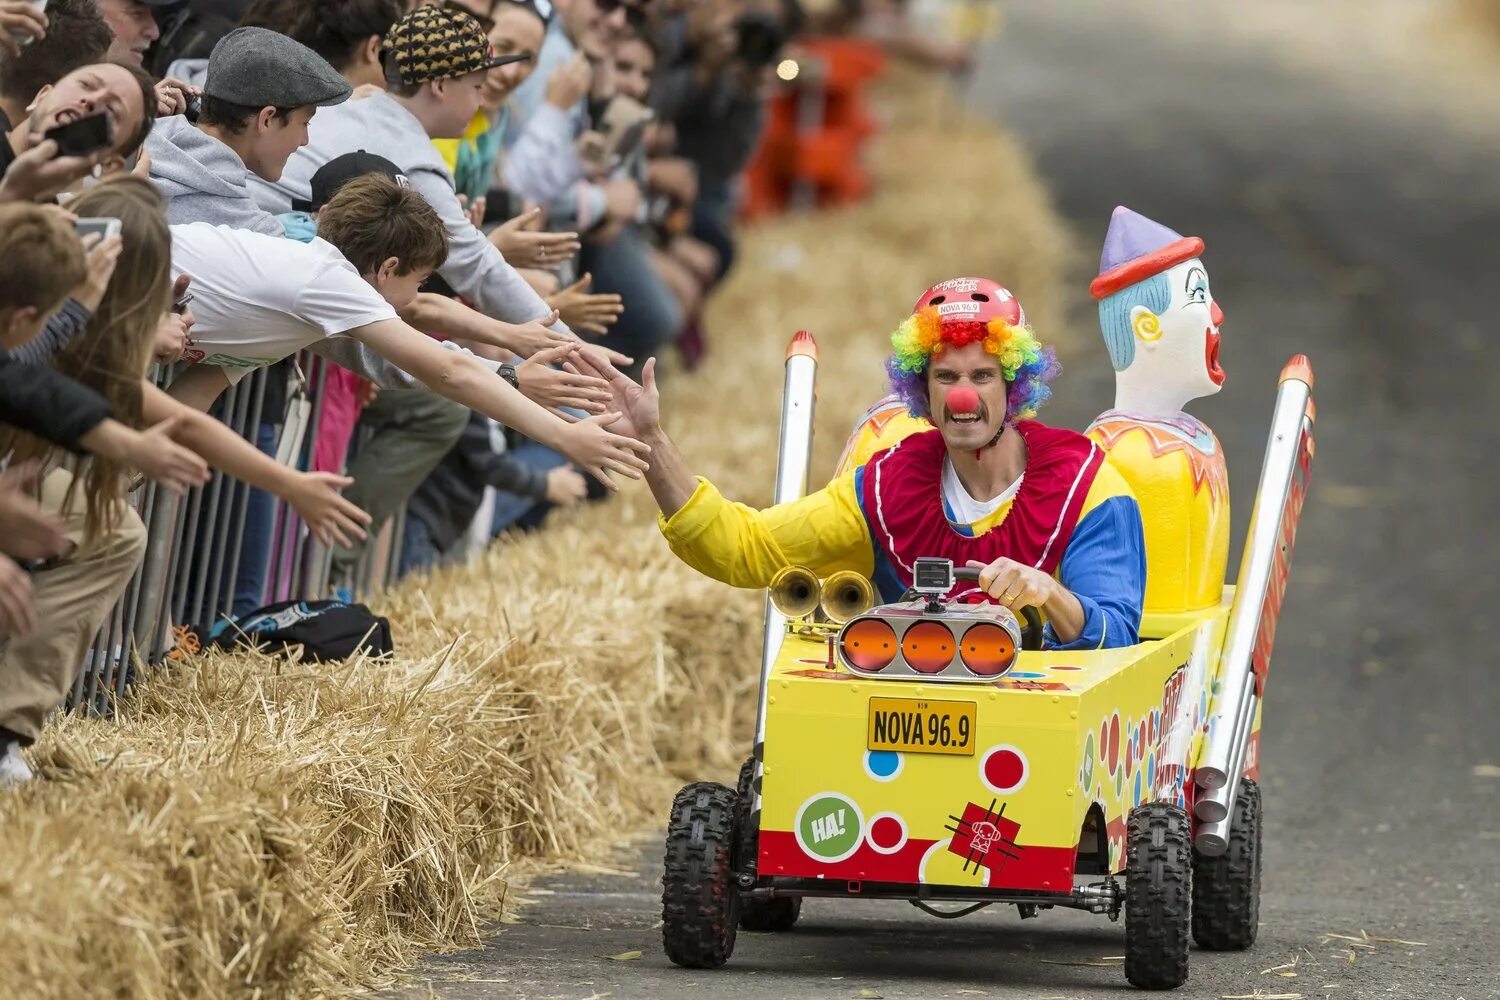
pixel 920 726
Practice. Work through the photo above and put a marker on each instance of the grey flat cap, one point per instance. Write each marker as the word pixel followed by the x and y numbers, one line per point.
pixel 259 68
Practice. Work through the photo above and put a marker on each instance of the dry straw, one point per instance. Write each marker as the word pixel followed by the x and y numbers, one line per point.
pixel 253 828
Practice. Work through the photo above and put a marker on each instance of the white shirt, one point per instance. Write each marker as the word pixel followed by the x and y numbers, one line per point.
pixel 258 299
pixel 967 510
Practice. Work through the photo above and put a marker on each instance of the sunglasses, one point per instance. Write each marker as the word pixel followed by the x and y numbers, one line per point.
pixel 485 21
pixel 637 9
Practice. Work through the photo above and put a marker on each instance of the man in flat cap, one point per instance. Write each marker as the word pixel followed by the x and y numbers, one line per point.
pixel 261 91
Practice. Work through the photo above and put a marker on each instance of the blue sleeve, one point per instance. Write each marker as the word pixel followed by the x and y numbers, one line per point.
pixel 1105 568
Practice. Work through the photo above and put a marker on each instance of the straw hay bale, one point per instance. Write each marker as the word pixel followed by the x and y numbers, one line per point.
pixel 1482 16
pixel 248 827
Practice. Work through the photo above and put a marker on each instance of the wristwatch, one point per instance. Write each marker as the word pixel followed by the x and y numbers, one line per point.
pixel 508 372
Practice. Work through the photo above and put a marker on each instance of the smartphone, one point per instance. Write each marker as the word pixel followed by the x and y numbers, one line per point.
pixel 84 136
pixel 23 38
pixel 105 227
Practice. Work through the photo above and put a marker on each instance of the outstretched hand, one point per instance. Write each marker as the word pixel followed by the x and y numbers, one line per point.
pixel 593 446
pixel 329 516
pixel 556 388
pixel 639 404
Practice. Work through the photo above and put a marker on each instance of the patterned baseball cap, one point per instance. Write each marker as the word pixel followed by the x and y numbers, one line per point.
pixel 436 43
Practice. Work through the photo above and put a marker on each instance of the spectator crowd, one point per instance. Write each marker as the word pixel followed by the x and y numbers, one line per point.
pixel 468 216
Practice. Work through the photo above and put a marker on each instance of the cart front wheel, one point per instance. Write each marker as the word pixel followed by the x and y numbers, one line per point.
pixel 699 898
pixel 1158 896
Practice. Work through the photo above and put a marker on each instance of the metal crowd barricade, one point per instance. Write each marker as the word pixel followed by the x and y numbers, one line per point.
pixel 194 551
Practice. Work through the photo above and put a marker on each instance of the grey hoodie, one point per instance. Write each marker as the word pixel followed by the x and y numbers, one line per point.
pixel 204 180
pixel 380 124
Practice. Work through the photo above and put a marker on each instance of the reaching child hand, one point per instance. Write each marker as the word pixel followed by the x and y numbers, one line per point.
pixel 585 312
pixel 523 245
pixel 538 335
pixel 157 455
pixel 556 388
pixel 329 516
pixel 602 453
pixel 566 487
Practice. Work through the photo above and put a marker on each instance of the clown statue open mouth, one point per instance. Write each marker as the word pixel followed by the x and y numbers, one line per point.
pixel 1161 325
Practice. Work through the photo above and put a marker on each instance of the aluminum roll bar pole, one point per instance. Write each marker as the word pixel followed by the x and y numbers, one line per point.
pixel 793 468
pixel 1257 603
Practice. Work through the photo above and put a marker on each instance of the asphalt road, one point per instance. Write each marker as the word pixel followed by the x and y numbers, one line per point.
pixel 1336 229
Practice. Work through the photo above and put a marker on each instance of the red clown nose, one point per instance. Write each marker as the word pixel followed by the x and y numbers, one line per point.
pixel 963 400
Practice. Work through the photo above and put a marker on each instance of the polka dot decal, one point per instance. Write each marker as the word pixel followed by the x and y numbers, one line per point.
pixel 1112 743
pixel 883 765
pixel 887 833
pixel 1003 769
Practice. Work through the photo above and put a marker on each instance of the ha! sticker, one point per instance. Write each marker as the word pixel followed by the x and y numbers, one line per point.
pixel 829 827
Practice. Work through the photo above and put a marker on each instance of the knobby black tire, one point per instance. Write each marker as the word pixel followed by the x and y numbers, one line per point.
pixel 1226 889
pixel 699 898
pixel 1158 896
pixel 765 915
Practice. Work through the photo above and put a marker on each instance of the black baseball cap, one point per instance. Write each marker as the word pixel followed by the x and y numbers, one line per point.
pixel 340 170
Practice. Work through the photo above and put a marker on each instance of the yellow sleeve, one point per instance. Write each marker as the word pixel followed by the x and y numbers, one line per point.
pixel 1108 483
pixel 744 547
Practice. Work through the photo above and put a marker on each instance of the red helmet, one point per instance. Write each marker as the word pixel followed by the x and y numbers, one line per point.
pixel 976 300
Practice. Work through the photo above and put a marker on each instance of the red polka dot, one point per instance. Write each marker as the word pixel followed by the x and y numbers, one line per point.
pixel 1112 743
pixel 1067 668
pixel 1004 769
pixel 885 832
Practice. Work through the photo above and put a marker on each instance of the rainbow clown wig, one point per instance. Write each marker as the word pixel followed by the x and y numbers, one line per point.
pixel 1025 364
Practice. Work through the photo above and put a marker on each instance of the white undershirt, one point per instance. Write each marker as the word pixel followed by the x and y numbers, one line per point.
pixel 967 510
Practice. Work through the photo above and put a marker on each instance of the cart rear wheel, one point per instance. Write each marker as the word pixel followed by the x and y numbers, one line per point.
pixel 1158 896
pixel 699 898
pixel 758 914
pixel 1226 889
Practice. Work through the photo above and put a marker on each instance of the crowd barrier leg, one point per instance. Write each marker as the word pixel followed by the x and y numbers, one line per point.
pixel 195 549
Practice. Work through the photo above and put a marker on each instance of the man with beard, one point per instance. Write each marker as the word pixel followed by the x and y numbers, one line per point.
pixel 1042 514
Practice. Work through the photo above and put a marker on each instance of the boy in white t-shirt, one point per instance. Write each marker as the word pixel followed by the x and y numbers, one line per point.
pixel 258 299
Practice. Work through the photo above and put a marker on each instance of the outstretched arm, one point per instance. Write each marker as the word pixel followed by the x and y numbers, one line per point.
pixel 313 494
pixel 463 379
pixel 733 542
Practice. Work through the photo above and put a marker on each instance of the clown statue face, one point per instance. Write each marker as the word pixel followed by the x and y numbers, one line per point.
pixel 1161 326
pixel 1158 315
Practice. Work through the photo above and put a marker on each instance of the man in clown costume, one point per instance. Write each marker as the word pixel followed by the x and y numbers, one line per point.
pixel 1039 510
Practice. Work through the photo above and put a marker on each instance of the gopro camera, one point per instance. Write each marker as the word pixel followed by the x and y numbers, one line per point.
pixel 932 577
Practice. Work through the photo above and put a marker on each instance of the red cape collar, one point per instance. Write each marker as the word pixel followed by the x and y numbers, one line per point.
pixel 903 501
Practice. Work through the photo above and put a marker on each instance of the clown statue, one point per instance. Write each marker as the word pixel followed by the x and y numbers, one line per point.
pixel 1039 511
pixel 1161 325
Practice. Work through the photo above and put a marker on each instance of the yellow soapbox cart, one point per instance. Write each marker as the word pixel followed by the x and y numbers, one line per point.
pixel 934 753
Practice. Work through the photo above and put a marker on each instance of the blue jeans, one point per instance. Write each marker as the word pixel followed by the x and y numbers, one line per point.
pixel 652 317
pixel 255 547
pixel 509 507
pixel 417 549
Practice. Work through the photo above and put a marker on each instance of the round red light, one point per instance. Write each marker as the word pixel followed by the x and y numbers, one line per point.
pixel 928 647
pixel 869 644
pixel 987 650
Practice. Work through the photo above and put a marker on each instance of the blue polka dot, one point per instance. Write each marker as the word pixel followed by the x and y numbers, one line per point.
pixel 883 763
pixel 1026 675
pixel 1137 787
